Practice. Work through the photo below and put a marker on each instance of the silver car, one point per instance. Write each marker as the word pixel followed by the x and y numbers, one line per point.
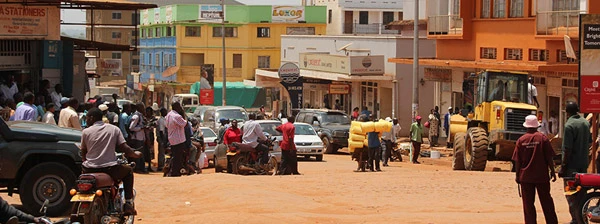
pixel 210 142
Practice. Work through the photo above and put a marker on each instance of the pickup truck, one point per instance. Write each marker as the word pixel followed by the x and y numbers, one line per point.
pixel 39 161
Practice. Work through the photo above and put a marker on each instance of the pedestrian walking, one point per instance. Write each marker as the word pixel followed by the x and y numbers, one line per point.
pixel 48 117
pixel 26 112
pixel 176 123
pixel 576 143
pixel 388 138
pixel 161 138
pixel 553 123
pixel 374 144
pixel 138 136
pixel 149 129
pixel 124 119
pixel 416 138
pixel 544 129
pixel 355 114
pixel 68 117
pixel 532 93
pixel 447 122
pixel 434 128
pixel 533 161
pixel 289 158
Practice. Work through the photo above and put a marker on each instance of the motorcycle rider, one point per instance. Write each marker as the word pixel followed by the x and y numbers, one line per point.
pixel 98 144
pixel 7 211
pixel 251 134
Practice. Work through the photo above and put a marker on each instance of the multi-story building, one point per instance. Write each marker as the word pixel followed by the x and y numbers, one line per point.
pixel 178 41
pixel 360 17
pixel 518 35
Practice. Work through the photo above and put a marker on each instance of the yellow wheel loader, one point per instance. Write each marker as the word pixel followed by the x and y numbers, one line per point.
pixel 492 127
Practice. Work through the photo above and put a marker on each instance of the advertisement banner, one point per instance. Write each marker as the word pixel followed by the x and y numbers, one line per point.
pixel 589 68
pixel 19 20
pixel 210 13
pixel 156 15
pixel 339 89
pixel 438 74
pixel 109 67
pixel 207 96
pixel 289 73
pixel 169 14
pixel 367 65
pixel 287 14
pixel 145 17
pixel 325 62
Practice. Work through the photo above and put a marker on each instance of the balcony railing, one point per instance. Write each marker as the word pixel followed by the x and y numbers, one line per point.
pixel 445 25
pixel 373 28
pixel 558 23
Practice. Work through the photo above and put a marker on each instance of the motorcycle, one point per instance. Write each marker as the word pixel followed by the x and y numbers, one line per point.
pixel 245 159
pixel 589 203
pixel 99 199
pixel 44 219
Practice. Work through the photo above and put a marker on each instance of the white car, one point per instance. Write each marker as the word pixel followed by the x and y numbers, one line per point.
pixel 308 142
pixel 209 142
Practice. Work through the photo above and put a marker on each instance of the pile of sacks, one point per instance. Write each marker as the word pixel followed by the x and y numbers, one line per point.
pixel 358 132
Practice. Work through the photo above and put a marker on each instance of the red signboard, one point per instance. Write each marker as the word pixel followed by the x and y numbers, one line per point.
pixel 589 93
pixel 207 96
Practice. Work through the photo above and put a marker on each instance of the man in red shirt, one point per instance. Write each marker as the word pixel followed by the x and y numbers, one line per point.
pixel 534 166
pixel 289 159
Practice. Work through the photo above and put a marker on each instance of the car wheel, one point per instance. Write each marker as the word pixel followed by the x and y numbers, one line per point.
pixel 319 158
pixel 329 147
pixel 218 168
pixel 51 181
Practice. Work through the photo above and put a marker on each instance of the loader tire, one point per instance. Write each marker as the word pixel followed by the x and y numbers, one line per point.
pixel 476 149
pixel 458 155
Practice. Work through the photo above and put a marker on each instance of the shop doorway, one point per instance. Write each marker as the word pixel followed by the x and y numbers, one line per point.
pixel 369 97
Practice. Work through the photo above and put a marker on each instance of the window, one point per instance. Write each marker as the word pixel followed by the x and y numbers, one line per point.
pixel 192 31
pixel 455 7
pixel 166 60
pixel 570 83
pixel 135 19
pixel 263 32
pixel 169 31
pixel 513 54
pixel 173 59
pixel 134 33
pixel 562 57
pixel 363 17
pixel 538 55
pixel 237 60
pixel 565 5
pixel 329 16
pixel 388 17
pixel 142 57
pixel 488 53
pixel 116 15
pixel 150 32
pixel 300 31
pixel 116 35
pixel 264 61
pixel 157 60
pixel 158 31
pixel 143 33
pixel 135 62
pixel 539 80
pixel 485 9
pixel 116 55
pixel 516 8
pixel 149 59
pixel 499 8
pixel 229 31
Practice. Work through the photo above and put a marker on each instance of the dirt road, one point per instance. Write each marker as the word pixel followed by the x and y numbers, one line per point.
pixel 330 192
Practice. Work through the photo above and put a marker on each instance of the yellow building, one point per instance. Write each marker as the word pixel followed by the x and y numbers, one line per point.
pixel 178 41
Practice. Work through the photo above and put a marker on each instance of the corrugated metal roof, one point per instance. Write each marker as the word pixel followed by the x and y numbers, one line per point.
pixel 196 2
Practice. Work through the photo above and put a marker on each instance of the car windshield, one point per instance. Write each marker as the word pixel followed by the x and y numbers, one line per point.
pixel 270 128
pixel 304 129
pixel 506 87
pixel 335 118
pixel 238 114
pixel 208 133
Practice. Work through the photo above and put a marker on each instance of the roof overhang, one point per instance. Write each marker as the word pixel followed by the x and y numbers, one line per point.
pixel 328 75
pixel 498 65
pixel 89 45
pixel 91 4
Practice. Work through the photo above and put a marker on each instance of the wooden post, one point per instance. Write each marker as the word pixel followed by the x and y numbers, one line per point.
pixel 594 141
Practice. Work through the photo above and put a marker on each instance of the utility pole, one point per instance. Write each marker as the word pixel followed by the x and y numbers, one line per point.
pixel 415 93
pixel 224 92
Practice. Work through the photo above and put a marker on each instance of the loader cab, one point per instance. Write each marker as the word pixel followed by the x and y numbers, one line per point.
pixel 501 86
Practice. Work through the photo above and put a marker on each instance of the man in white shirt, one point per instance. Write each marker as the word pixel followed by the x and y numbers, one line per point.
pixel 9 88
pixel 252 133
pixel 532 93
pixel 56 95
pixel 388 139
pixel 48 118
pixel 204 84
pixel 553 123
pixel 68 117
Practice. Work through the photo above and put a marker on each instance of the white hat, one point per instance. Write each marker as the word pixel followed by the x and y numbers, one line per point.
pixel 388 119
pixel 531 121
pixel 449 108
pixel 155 107
pixel 103 107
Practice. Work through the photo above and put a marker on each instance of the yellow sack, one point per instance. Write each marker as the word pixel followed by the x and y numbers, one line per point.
pixel 356 130
pixel 366 143
pixel 355 144
pixel 357 137
pixel 368 127
pixel 351 150
pixel 383 126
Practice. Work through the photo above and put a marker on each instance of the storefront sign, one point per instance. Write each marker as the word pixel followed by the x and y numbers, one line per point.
pixel 287 14
pixel 339 89
pixel 19 20
pixel 145 18
pixel 156 15
pixel 210 13
pixel 12 61
pixel 207 96
pixel 325 62
pixel 109 67
pixel 367 65
pixel 438 74
pixel 289 73
pixel 589 68
pixel 169 14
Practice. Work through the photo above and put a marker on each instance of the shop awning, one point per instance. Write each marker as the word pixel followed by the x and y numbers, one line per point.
pixel 497 65
pixel 94 4
pixel 328 75
pixel 170 71
pixel 88 45
pixel 238 94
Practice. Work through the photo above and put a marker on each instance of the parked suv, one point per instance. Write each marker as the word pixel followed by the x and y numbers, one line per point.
pixel 332 126
pixel 39 161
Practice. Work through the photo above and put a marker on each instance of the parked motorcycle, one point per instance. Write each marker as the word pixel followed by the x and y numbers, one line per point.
pixel 99 199
pixel 589 203
pixel 246 160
